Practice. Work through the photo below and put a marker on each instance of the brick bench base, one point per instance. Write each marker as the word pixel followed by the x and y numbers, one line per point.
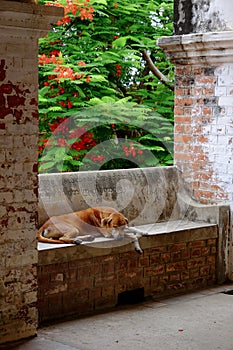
pixel 79 280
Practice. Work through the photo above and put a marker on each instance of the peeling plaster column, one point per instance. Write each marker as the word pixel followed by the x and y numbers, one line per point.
pixel 202 51
pixel 21 24
pixel 204 112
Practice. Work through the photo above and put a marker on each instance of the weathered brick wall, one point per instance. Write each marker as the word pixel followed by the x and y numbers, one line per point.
pixel 19 30
pixel 204 131
pixel 18 130
pixel 80 280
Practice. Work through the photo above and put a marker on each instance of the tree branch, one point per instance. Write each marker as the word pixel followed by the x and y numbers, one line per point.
pixel 156 71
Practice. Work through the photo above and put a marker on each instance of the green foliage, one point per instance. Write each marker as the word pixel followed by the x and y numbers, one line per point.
pixel 100 105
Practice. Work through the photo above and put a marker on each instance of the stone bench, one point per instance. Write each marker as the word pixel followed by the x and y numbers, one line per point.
pixel 186 246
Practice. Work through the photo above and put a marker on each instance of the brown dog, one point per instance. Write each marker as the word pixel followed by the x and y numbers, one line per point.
pixel 83 225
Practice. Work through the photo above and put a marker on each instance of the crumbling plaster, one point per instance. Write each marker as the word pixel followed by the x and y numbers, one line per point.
pixel 196 16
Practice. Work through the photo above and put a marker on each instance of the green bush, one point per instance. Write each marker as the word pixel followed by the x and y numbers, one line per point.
pixel 101 106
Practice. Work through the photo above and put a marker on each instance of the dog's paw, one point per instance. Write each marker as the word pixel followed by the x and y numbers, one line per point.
pixel 139 250
pixel 145 234
pixel 90 238
pixel 77 241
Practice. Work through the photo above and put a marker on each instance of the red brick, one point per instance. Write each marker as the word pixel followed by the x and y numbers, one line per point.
pixel 186 119
pixel 211 260
pixel 184 101
pixel 203 80
pixel 186 254
pixel 153 271
pixel 174 277
pixel 103 280
pixel 183 138
pixel 178 128
pixel 84 271
pixel 177 247
pixel 176 256
pixel 208 91
pixel 108 291
pixel 180 91
pixel 184 275
pixel 95 293
pixel 152 251
pixel 204 271
pixel 163 279
pixel 205 251
pixel 197 70
pixel 132 264
pixel 184 156
pixel 143 262
pixel 197 244
pixel 196 91
pixel 166 257
pixel 194 273
pixel 128 275
pixel 176 286
pixel 154 259
pixel 197 262
pixel 196 252
pixel 78 263
pixel 211 241
pixel 213 250
pixel 177 266
pixel 108 268
pixel 179 111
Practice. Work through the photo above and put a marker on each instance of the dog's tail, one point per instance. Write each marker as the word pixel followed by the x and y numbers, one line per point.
pixel 43 239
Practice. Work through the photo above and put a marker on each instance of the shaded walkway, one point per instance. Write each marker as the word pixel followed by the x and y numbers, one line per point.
pixel 198 321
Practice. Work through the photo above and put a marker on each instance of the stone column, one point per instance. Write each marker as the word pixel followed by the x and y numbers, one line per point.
pixel 21 24
pixel 203 61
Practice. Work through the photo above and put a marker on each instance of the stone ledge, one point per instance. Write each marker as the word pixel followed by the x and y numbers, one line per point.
pixel 206 48
pixel 158 234
pixel 27 16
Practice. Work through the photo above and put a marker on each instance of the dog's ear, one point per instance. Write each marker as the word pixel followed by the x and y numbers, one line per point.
pixel 106 221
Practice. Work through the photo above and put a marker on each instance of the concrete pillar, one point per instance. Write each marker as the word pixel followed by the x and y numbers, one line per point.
pixel 21 24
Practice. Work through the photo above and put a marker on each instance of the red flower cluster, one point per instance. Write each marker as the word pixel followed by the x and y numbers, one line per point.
pixel 85 142
pixel 118 70
pixel 96 159
pixel 131 150
pixel 81 64
pixel 67 73
pixel 76 8
pixel 52 59
pixel 61 126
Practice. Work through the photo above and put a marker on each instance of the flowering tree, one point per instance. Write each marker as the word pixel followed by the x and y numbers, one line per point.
pixel 105 95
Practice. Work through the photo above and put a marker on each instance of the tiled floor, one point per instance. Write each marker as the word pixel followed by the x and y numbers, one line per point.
pixel 197 321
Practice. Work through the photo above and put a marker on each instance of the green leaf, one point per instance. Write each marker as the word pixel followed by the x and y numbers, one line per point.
pixel 120 42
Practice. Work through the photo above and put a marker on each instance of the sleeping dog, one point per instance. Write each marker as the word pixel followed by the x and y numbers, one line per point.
pixel 86 225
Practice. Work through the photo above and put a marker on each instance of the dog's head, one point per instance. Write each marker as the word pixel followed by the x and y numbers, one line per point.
pixel 115 224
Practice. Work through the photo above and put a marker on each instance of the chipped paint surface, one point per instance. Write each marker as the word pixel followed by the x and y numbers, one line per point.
pixel 20 27
pixel 200 16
